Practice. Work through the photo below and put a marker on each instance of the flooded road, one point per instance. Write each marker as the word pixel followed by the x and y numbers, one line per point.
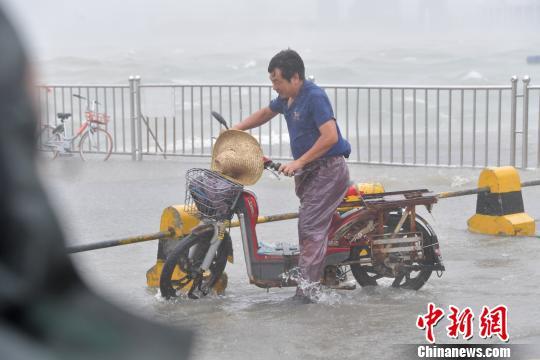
pixel 120 198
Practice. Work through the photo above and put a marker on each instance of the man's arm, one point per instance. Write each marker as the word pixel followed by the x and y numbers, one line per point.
pixel 256 119
pixel 328 138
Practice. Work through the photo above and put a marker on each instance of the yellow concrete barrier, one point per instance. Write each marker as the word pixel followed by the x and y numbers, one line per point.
pixel 500 211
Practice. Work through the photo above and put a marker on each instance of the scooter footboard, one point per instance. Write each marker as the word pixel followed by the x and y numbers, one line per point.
pixel 274 273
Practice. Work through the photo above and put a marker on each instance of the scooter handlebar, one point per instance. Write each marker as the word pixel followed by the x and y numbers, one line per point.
pixel 220 119
pixel 269 164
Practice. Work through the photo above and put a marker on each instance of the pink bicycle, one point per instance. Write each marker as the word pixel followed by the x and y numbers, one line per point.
pixel 95 141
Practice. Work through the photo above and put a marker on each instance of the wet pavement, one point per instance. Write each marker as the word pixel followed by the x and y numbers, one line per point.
pixel 121 198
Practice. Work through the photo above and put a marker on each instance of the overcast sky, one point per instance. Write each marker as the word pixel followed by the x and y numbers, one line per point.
pixel 218 40
pixel 54 27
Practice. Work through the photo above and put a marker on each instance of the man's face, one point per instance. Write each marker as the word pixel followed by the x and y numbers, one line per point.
pixel 284 87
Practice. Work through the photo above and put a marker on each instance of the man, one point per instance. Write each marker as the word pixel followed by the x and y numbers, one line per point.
pixel 319 169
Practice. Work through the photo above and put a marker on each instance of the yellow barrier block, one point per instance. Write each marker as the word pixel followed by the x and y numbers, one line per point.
pixel 153 274
pixel 500 179
pixel 519 224
pixel 177 218
pixel 181 222
pixel 501 211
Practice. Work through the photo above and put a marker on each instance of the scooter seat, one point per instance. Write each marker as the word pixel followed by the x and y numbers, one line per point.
pixel 277 249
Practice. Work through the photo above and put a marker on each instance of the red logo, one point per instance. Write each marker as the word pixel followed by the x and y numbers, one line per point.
pixel 430 320
pixel 491 322
pixel 461 322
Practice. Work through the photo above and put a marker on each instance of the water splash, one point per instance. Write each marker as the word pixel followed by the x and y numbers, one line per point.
pixel 458 181
pixel 314 291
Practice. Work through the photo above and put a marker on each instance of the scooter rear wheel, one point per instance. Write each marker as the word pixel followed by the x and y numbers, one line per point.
pixel 368 276
pixel 189 262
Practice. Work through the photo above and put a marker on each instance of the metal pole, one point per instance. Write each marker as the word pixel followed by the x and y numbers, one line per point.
pixel 167 234
pixel 391 127
pixel 513 110
pixel 260 220
pixel 269 218
pixel 369 124
pixel 414 126
pixel 486 136
pixel 139 116
pixel 426 127
pixel 449 194
pixel 438 125
pixel 525 132
pixel 380 127
pixel 474 130
pixel 461 139
pixel 402 126
pixel 450 127
pixel 530 183
pixel 132 116
pixel 499 124
pixel 126 241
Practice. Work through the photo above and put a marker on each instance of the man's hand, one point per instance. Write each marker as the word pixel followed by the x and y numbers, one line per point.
pixel 291 168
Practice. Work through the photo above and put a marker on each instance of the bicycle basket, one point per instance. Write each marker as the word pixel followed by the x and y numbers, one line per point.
pixel 98 118
pixel 213 195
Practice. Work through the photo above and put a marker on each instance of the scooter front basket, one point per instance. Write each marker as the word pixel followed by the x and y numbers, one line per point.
pixel 209 195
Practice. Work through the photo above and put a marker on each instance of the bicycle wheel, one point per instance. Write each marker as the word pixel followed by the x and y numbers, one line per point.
pixel 97 144
pixel 414 280
pixel 47 142
pixel 188 255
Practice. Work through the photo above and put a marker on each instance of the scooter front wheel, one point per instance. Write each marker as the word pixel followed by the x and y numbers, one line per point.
pixel 188 256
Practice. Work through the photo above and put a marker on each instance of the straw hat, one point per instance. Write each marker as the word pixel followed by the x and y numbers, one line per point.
pixel 238 156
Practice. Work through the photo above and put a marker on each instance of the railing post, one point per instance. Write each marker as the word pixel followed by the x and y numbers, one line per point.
pixel 525 133
pixel 132 117
pixel 513 118
pixel 139 116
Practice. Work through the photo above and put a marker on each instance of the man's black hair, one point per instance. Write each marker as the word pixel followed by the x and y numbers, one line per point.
pixel 289 62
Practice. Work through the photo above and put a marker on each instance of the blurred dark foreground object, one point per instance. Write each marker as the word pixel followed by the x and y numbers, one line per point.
pixel 46 312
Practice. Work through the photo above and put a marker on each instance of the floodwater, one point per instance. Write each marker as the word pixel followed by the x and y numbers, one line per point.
pixel 121 198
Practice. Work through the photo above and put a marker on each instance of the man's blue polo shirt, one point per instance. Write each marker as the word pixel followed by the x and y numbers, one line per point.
pixel 309 110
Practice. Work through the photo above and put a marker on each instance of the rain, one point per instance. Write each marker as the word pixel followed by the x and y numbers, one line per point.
pixel 398 42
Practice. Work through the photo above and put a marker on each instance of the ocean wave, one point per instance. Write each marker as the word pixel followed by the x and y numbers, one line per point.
pixel 473 75
pixel 196 143
pixel 250 64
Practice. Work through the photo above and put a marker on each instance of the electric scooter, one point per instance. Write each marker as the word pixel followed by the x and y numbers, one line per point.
pixel 373 236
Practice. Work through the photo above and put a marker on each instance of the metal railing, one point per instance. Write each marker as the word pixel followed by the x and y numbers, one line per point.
pixel 531 116
pixel 466 126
